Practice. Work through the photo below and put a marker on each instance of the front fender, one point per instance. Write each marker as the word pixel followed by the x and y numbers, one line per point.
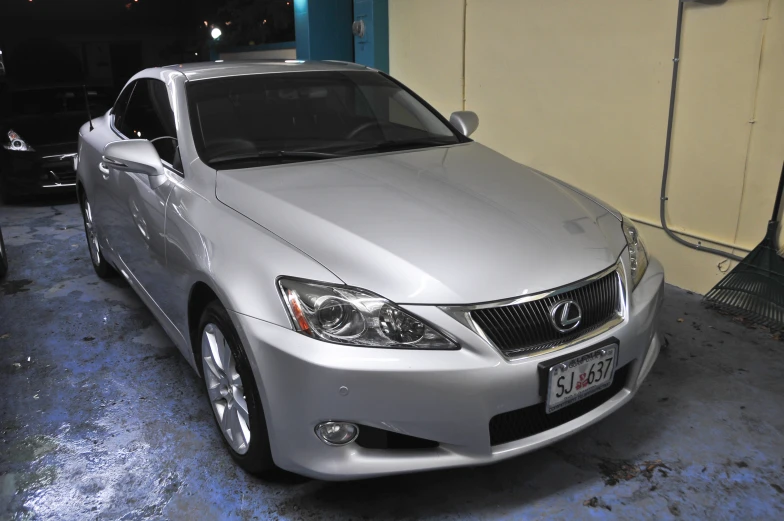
pixel 239 260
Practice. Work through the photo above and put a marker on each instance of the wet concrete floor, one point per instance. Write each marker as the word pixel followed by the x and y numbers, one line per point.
pixel 100 418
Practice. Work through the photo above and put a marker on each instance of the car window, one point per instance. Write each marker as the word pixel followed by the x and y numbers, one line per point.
pixel 118 110
pixel 243 120
pixel 399 112
pixel 149 116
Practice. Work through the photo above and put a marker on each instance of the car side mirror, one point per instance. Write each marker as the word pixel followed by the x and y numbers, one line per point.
pixel 465 121
pixel 133 155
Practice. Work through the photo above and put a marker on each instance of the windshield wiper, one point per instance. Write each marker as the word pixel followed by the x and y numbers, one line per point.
pixel 403 144
pixel 265 155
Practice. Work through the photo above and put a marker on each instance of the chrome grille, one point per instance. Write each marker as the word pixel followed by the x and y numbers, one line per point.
pixel 60 169
pixel 526 328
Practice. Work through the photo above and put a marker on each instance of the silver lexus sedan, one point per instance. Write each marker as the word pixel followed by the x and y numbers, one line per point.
pixel 364 289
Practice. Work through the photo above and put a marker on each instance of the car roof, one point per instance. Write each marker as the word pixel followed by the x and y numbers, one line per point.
pixel 223 69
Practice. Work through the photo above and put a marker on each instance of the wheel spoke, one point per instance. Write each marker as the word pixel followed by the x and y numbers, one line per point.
pixel 225 418
pixel 220 413
pixel 215 374
pixel 211 334
pixel 243 417
pixel 233 426
pixel 243 430
pixel 215 393
pixel 241 405
pixel 225 354
pixel 231 372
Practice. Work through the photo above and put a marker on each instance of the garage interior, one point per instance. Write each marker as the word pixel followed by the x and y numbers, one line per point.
pixel 102 418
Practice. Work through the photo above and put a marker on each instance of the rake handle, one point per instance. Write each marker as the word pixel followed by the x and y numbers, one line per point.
pixel 777 204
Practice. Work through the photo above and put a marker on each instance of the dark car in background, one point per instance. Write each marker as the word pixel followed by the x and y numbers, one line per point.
pixel 39 128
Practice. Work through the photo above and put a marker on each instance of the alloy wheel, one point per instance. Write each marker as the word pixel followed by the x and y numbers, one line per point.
pixel 92 238
pixel 225 389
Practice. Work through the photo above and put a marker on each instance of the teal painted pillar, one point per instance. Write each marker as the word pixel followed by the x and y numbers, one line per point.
pixel 213 47
pixel 371 33
pixel 323 29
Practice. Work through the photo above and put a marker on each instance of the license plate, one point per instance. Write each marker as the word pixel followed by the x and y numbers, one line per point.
pixel 580 377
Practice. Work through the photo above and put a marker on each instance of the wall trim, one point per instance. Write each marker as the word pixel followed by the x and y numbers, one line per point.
pixel 652 224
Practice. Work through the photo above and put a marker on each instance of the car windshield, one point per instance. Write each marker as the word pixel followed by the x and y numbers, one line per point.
pixel 244 121
pixel 50 101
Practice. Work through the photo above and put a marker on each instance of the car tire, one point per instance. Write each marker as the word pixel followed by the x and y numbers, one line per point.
pixel 100 264
pixel 3 257
pixel 232 393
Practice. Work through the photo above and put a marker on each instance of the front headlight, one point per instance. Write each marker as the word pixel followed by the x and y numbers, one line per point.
pixel 638 256
pixel 16 143
pixel 356 317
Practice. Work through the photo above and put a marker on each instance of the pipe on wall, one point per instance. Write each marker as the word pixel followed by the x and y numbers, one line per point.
pixel 668 142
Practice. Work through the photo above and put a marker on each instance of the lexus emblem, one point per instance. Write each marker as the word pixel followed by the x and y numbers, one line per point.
pixel 565 315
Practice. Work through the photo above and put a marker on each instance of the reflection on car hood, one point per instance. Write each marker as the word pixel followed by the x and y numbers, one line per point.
pixel 449 225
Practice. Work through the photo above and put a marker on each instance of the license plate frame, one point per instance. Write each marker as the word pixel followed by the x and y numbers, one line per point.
pixel 549 368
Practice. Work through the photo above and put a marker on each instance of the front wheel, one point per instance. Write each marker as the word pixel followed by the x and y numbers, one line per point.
pixel 102 268
pixel 232 392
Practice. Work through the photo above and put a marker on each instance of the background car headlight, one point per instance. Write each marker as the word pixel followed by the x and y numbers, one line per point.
pixel 638 256
pixel 356 317
pixel 16 143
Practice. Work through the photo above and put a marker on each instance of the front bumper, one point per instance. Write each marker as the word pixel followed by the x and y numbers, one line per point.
pixel 50 168
pixel 445 396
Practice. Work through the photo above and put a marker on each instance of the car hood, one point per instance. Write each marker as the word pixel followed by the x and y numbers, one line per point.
pixel 448 225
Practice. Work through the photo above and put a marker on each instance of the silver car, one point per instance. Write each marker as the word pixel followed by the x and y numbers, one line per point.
pixel 364 289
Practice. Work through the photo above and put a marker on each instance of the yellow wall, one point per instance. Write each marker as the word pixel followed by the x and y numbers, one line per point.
pixel 581 90
pixel 766 148
pixel 426 49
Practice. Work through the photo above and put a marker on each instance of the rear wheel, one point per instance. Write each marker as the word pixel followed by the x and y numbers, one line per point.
pixel 102 268
pixel 233 394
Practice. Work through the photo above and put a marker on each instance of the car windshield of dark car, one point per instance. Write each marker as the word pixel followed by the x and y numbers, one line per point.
pixel 244 121
pixel 35 102
pixel 49 115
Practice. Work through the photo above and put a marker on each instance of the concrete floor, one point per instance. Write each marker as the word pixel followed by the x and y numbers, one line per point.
pixel 100 418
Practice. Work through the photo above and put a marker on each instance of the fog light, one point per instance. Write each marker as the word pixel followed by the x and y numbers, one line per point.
pixel 337 433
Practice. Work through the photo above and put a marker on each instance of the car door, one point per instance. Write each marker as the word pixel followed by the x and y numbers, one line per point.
pixel 139 200
pixel 100 178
